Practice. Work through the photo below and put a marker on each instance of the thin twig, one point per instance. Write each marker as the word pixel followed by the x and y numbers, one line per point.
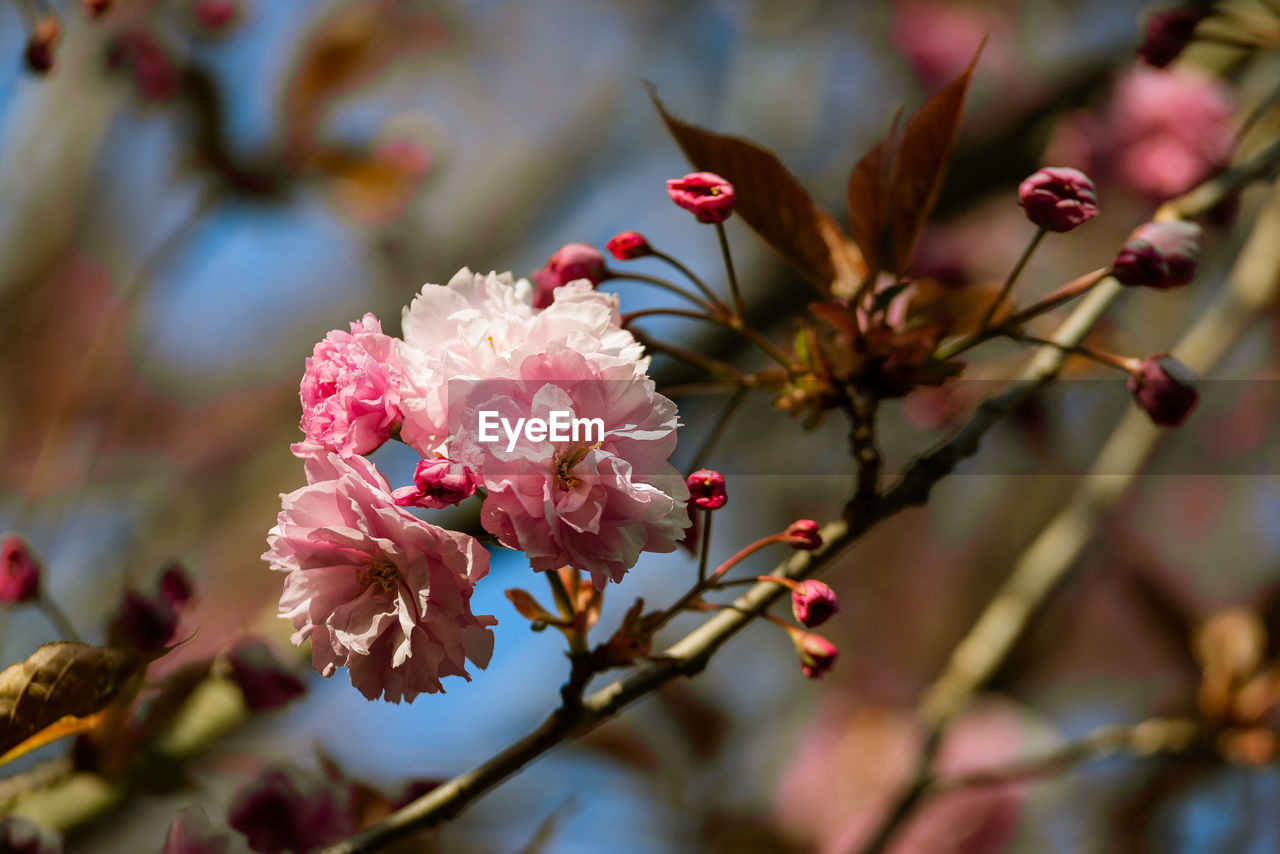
pixel 1012 278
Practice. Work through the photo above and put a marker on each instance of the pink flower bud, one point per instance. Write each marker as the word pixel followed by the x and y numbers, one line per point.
pixel 284 809
pixel 813 603
pixel 1165 389
pixel 706 489
pixel 571 261
pixel 191 832
pixel 803 534
pixel 19 572
pixel 44 39
pixel 628 245
pixel 437 483
pixel 1168 32
pixel 175 585
pixel 265 682
pixel 215 15
pixel 21 835
pixel 817 654
pixel 97 8
pixel 704 194
pixel 1058 198
pixel 1159 255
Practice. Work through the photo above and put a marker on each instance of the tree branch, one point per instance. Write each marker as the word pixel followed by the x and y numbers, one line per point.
pixel 1255 281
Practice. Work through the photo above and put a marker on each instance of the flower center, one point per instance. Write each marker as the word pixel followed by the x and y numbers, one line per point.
pixel 564 463
pixel 379 570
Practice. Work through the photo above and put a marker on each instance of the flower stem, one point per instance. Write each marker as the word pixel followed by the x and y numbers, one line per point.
pixel 706 547
pixel 739 308
pixel 1011 278
pixel 59 619
pixel 689 274
pixel 665 285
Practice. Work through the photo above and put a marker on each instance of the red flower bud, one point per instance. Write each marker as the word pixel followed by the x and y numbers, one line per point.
pixel 143 622
pixel 19 572
pixel 175 585
pixel 42 43
pixel 1159 255
pixel 571 261
pixel 1165 389
pixel 803 534
pixel 437 483
pixel 1058 198
pixel 96 8
pixel 817 654
pixel 1167 33
pixel 215 15
pixel 706 489
pixel 284 809
pixel 265 682
pixel 813 603
pixel 704 194
pixel 628 245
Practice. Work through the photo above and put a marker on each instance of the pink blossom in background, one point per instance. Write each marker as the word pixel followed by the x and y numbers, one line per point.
pixel 482 327
pixel 939 37
pixel 1163 132
pixel 852 761
pixel 350 391
pixel 593 505
pixel 375 588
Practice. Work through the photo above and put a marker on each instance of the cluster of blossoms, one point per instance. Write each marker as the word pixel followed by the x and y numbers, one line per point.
pixel 386 594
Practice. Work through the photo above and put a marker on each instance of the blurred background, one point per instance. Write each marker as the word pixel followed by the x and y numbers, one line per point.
pixel 196 192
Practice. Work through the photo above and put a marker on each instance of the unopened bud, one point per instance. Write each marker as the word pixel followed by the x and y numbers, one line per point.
pixel 704 194
pixel 437 483
pixel 1165 389
pixel 803 534
pixel 813 603
pixel 19 572
pixel 706 489
pixel 1058 198
pixel 1159 255
pixel 628 245
pixel 571 261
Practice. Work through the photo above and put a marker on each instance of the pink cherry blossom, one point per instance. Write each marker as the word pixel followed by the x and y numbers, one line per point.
pixel 1163 132
pixel 350 391
pixel 595 505
pixel 482 327
pixel 374 587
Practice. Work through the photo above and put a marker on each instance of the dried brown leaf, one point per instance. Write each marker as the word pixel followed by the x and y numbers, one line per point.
pixel 60 690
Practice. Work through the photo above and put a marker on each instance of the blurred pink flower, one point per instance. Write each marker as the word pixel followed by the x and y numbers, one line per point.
pixel 1162 133
pixel 939 37
pixel 350 391
pixel 853 760
pixel 374 587
pixel 595 503
pixel 483 327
